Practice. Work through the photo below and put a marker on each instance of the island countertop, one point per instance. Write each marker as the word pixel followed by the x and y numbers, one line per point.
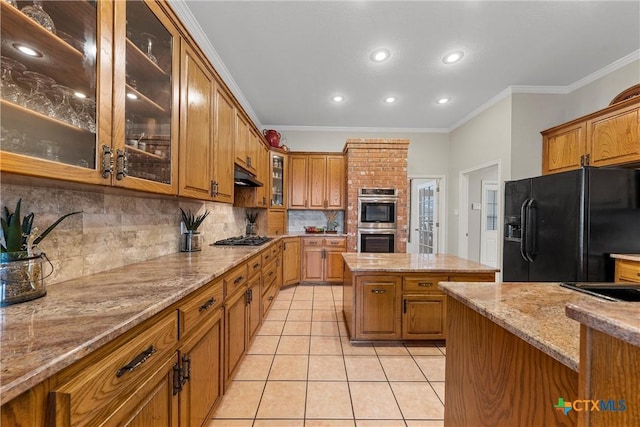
pixel 621 320
pixel 406 263
pixel 532 311
pixel 41 337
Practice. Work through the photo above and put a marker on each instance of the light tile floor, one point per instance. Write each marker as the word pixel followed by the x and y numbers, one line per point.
pixel 301 370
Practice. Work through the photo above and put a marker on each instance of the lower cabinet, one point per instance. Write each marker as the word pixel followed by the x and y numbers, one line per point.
pixel 290 260
pixel 322 259
pixel 423 316
pixel 380 312
pixel 254 312
pixel 235 325
pixel 627 271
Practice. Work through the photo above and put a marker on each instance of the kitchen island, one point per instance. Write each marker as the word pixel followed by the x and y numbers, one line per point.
pixel 512 353
pixel 395 296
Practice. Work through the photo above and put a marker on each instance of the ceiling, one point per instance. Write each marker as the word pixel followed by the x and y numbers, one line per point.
pixel 285 60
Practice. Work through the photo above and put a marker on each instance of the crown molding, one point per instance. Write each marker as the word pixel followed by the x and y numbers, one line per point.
pixel 186 16
pixel 354 129
pixel 626 60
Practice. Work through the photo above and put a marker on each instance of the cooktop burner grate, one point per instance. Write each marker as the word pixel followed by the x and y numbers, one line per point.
pixel 243 241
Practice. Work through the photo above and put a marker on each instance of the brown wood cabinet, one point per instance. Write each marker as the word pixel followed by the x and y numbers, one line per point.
pixel 380 309
pixel 607 137
pixel 235 344
pixel 276 222
pixel 322 259
pixel 627 271
pixel 291 259
pixel 316 181
pixel 223 143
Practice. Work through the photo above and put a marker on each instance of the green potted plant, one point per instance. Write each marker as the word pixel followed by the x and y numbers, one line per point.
pixel 191 240
pixel 21 263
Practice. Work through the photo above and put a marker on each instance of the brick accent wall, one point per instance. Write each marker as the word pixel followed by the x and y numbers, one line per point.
pixel 376 163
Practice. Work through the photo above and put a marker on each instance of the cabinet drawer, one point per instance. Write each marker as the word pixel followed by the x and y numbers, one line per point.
pixel 424 283
pixel 269 274
pixel 235 279
pixel 97 391
pixel 267 256
pixel 267 298
pixel 473 277
pixel 335 242
pixel 254 265
pixel 627 271
pixel 315 241
pixel 197 308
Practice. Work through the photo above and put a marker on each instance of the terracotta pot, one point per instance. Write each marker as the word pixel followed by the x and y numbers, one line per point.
pixel 273 137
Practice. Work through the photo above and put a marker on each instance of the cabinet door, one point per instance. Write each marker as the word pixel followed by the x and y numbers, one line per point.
pixel 145 96
pixel 627 271
pixel 423 316
pixel 276 222
pixel 201 358
pixel 223 146
pixel 298 182
pixel 254 312
pixel 262 193
pixel 313 264
pixel 58 134
pixel 335 182
pixel 235 333
pixel 291 261
pixel 277 183
pixel 242 140
pixel 196 126
pixel 379 314
pixel 564 149
pixel 614 138
pixel 316 183
pixel 253 151
pixel 334 265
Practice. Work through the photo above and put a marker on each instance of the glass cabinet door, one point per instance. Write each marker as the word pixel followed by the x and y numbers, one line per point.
pixel 49 88
pixel 277 181
pixel 145 99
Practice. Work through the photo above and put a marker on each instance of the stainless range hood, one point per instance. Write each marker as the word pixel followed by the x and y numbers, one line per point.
pixel 243 178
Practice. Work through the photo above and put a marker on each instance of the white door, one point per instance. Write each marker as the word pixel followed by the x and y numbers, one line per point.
pixel 489 223
pixel 424 220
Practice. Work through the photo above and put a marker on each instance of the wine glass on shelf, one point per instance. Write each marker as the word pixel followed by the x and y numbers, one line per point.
pixel 38 100
pixel 148 41
pixel 9 89
pixel 84 108
pixel 64 111
pixel 37 13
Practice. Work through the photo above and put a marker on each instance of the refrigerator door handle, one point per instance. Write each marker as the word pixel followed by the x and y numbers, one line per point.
pixel 531 230
pixel 523 230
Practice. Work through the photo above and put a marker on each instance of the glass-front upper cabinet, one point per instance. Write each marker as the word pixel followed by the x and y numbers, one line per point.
pixel 145 97
pixel 278 180
pixel 50 98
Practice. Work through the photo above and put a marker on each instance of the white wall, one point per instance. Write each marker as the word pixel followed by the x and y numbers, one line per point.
pixel 598 94
pixel 482 140
pixel 474 216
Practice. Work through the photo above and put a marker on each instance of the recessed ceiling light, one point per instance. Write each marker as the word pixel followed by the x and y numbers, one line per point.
pixel 338 98
pixel 453 57
pixel 27 50
pixel 132 96
pixel 380 55
pixel 390 100
pixel 443 100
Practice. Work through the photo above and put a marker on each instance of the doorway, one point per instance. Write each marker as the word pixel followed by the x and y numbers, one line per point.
pixel 425 225
pixel 489 223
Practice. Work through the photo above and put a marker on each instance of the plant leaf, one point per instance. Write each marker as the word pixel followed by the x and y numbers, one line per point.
pixel 51 227
pixel 13 234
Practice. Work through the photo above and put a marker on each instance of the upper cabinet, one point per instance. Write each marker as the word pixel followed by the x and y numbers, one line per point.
pixel 246 145
pixel 316 181
pixel 277 183
pixel 56 93
pixel 608 137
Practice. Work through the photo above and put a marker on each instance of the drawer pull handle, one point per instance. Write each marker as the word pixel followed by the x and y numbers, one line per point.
pixel 378 291
pixel 137 361
pixel 425 284
pixel 207 304
pixel 270 298
pixel 270 273
pixel 238 280
pixel 256 265
pixel 267 256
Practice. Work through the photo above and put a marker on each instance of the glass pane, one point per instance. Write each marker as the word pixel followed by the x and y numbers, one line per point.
pixel 492 210
pixel 277 168
pixel 426 219
pixel 48 87
pixel 148 95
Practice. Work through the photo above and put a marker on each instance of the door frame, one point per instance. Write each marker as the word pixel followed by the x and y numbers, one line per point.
pixel 442 209
pixel 463 207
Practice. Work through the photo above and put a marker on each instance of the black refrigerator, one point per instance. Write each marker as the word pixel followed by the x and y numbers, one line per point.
pixel 563 227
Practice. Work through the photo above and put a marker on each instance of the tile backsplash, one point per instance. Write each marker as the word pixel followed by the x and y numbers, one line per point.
pixel 114 228
pixel 299 219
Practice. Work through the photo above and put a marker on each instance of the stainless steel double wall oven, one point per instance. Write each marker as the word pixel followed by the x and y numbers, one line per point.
pixel 377 212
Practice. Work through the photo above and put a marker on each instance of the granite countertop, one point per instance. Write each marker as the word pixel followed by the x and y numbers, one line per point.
pixel 41 337
pixel 532 311
pixel 628 257
pixel 618 319
pixel 304 234
pixel 406 263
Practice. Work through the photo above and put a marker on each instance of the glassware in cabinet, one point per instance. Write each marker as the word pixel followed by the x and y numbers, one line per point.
pixel 277 180
pixel 145 97
pixel 50 91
